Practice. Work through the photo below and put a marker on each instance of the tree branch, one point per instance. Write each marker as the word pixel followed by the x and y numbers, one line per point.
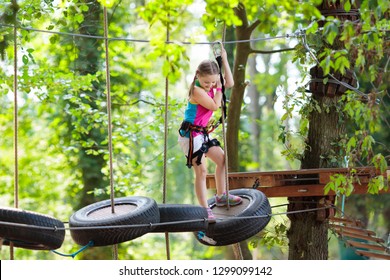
pixel 270 52
pixel 253 26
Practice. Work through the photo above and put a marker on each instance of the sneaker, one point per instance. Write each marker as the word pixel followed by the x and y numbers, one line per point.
pixel 202 236
pixel 210 216
pixel 223 200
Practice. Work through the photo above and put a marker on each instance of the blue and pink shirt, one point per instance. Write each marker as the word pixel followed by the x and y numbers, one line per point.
pixel 198 115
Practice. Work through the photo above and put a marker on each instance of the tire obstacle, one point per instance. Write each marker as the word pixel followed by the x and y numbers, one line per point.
pixel 135 216
pixel 30 230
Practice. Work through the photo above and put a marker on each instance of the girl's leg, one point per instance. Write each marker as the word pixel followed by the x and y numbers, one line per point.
pixel 216 154
pixel 201 188
pixel 200 182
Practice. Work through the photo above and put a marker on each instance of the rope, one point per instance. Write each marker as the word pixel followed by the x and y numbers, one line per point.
pixel 165 145
pixel 108 87
pixel 286 36
pixel 355 89
pixel 236 247
pixel 16 173
pixel 223 118
pixel 90 244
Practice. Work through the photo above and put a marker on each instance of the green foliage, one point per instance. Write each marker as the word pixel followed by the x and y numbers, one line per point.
pixel 271 239
pixel 166 19
pixel 63 108
pixel 364 42
pixel 340 184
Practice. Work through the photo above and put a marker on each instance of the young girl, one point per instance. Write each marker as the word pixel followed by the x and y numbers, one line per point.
pixel 205 97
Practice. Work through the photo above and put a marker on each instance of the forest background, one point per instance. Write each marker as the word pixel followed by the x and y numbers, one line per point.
pixel 62 108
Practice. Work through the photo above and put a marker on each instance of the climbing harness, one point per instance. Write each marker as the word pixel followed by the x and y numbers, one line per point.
pixel 187 129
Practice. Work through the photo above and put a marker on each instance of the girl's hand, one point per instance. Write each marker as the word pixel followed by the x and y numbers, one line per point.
pixel 224 55
pixel 218 83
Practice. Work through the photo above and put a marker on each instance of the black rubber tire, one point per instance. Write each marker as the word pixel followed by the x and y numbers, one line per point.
pixel 23 233
pixel 229 231
pixel 181 212
pixel 136 210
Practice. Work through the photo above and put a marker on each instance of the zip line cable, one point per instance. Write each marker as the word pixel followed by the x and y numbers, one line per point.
pixel 293 35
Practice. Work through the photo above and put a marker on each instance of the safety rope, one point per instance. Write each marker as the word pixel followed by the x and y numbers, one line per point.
pixel 236 247
pixel 90 244
pixel 222 119
pixel 16 128
pixel 108 88
pixel 168 254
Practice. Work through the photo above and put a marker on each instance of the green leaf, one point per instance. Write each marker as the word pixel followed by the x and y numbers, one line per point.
pixel 347 6
pixel 331 31
pixel 329 187
pixel 25 59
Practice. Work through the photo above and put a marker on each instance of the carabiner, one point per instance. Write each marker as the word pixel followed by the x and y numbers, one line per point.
pixel 216 50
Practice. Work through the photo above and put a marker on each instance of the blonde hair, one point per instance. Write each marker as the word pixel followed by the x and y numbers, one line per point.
pixel 205 68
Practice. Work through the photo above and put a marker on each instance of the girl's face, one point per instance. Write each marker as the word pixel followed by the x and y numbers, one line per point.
pixel 208 81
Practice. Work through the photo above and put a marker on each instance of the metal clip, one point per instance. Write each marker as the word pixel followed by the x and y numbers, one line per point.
pixel 256 184
pixel 217 48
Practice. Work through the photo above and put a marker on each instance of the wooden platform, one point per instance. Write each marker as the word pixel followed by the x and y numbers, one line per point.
pixel 296 183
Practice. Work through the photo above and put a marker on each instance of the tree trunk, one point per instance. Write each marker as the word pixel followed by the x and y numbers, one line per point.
pixel 89 62
pixel 243 50
pixel 308 235
pixel 255 110
pixel 234 110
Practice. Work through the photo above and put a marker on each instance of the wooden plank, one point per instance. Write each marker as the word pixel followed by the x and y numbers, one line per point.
pixel 357 230
pixel 363 178
pixel 270 180
pixel 325 177
pixel 373 255
pixel 293 191
pixel 346 221
pixel 366 246
pixel 359 236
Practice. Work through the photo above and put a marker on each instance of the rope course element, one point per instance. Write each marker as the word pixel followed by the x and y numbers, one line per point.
pixel 90 244
pixel 152 225
pixel 306 46
pixel 16 172
pixel 363 242
pixel 108 88
pixel 168 253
